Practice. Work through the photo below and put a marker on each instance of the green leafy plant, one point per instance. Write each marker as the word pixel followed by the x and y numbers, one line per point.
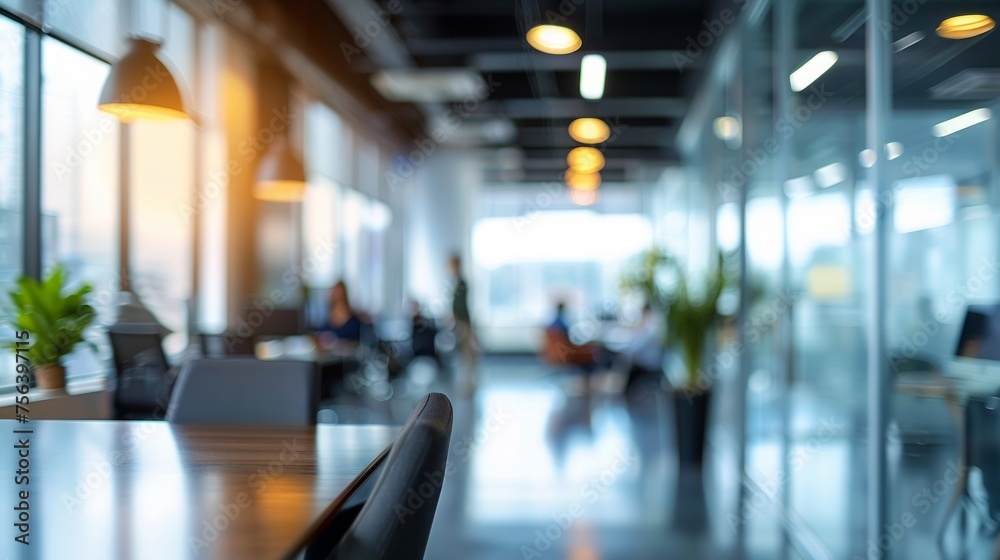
pixel 54 320
pixel 691 315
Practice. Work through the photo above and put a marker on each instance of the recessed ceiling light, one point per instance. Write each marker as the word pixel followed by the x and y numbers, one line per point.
pixel 893 150
pixel 829 175
pixel 799 187
pixel 554 39
pixel 593 68
pixel 582 198
pixel 867 158
pixel 429 85
pixel 812 70
pixel 589 131
pixel 961 122
pixel 965 27
pixel 582 181
pixel 727 128
pixel 585 159
pixel 908 41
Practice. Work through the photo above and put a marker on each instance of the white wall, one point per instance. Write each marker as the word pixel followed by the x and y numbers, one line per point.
pixel 440 207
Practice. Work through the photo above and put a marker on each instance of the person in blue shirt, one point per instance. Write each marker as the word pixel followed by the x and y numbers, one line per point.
pixel 342 322
pixel 559 323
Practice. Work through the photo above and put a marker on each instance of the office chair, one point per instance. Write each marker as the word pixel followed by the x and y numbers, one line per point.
pixel 395 521
pixel 249 392
pixel 982 452
pixel 144 379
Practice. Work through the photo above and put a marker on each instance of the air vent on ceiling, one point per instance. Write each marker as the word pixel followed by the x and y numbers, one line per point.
pixel 430 85
pixel 971 83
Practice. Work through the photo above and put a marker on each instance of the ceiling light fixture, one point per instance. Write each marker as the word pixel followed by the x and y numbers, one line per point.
pixel 908 41
pixel 799 187
pixel 812 70
pixel 867 158
pixel 582 181
pixel 829 175
pixel 893 150
pixel 140 86
pixel 726 128
pixel 554 39
pixel 965 27
pixel 593 69
pixel 589 131
pixel 280 176
pixel 582 198
pixel 961 122
pixel 585 160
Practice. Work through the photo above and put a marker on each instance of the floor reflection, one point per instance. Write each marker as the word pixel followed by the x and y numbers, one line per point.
pixel 544 468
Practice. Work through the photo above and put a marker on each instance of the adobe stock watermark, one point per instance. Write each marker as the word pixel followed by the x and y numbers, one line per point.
pixel 100 472
pixel 91 139
pixel 915 166
pixel 829 429
pixel 257 482
pixel 712 30
pixel 899 14
pixel 589 492
pixel 753 330
pixel 957 299
pixel 292 281
pixel 451 121
pixel 922 501
pixel 785 127
pixel 462 450
pixel 362 35
pixel 249 149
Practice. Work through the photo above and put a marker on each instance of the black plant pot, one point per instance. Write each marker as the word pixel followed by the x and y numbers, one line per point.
pixel 691 425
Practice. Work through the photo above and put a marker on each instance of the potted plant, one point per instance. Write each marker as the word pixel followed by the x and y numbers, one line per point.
pixel 55 321
pixel 692 317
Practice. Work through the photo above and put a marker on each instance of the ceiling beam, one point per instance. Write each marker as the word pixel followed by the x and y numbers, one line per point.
pixel 617 60
pixel 530 108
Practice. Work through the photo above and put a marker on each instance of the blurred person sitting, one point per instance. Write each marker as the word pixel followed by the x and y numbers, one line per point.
pixel 558 349
pixel 342 322
pixel 423 334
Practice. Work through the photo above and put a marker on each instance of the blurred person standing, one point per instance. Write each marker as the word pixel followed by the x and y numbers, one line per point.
pixel 465 335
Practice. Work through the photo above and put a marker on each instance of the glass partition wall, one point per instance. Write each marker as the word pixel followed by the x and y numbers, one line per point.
pixel 782 145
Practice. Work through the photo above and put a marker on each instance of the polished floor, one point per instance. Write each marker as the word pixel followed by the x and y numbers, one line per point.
pixel 542 468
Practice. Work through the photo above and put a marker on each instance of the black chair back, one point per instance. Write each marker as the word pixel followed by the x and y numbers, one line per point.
pixel 247 392
pixel 144 381
pixel 395 522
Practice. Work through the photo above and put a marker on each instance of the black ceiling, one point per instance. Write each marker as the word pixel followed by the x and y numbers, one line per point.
pixel 646 94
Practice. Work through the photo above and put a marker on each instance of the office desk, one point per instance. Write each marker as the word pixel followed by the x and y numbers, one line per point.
pixel 124 490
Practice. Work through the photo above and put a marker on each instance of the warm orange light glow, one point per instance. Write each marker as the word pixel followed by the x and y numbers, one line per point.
pixel 585 160
pixel 582 198
pixel 589 131
pixel 582 181
pixel 280 191
pixel 965 27
pixel 127 112
pixel 554 39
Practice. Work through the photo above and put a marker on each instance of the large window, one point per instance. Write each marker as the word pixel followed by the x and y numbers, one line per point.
pixel 11 149
pixel 80 162
pixel 80 155
pixel 11 156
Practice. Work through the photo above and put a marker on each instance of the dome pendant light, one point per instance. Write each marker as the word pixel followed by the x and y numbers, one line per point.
pixel 141 87
pixel 280 176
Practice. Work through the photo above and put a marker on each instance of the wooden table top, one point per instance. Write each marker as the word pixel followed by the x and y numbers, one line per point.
pixel 136 490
